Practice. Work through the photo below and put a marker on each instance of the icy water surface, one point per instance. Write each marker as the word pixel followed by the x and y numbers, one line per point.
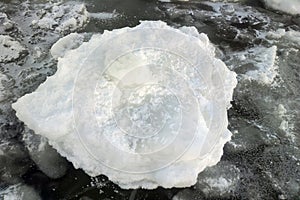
pixel 262 161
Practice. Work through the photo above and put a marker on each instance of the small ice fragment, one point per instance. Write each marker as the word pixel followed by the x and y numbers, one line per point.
pixel 265 63
pixel 10 49
pixel 104 15
pixel 71 41
pixel 4 92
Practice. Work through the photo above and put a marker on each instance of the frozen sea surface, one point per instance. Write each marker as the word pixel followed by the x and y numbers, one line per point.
pixel 262 161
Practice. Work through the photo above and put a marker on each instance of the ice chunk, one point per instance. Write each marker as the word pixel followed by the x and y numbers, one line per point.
pixel 13 161
pixel 19 192
pixel 171 0
pixel 265 62
pixel 10 49
pixel 258 63
pixel 71 41
pixel 4 92
pixel 104 15
pixel 291 37
pixel 286 121
pixel 276 34
pixel 218 182
pixel 287 6
pixel 63 18
pixel 5 23
pixel 146 106
pixel 45 157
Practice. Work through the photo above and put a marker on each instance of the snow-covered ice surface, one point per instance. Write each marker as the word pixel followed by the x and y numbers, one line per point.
pixel 262 159
pixel 188 124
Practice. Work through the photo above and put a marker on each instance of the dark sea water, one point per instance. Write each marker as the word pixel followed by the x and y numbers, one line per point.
pixel 262 161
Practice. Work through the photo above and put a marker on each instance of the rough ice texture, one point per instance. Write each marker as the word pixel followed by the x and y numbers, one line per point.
pixel 5 23
pixel 63 18
pixel 287 6
pixel 163 132
pixel 290 37
pixel 10 49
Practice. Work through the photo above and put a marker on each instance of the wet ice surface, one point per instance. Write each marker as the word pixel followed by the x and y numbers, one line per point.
pixel 262 161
